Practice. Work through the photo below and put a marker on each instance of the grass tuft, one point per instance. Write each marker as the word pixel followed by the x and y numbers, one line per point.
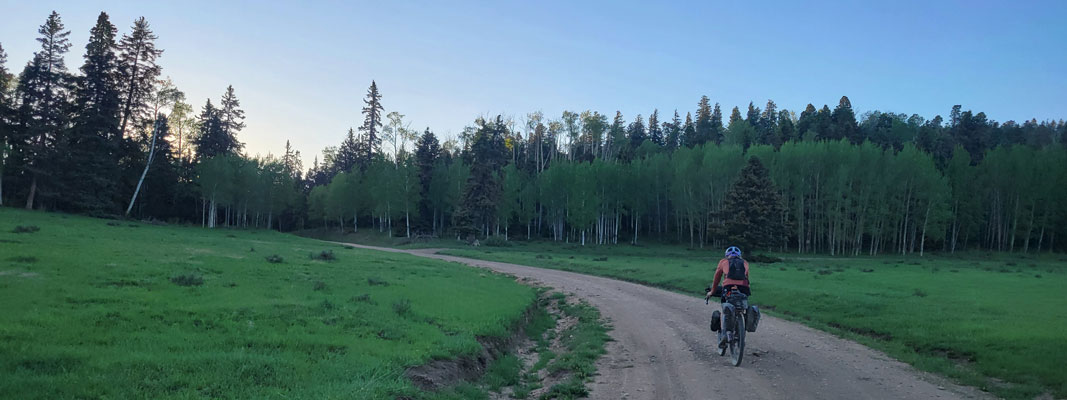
pixel 187 280
pixel 26 229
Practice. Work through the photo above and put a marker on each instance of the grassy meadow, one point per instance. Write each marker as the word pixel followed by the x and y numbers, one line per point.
pixel 96 308
pixel 995 321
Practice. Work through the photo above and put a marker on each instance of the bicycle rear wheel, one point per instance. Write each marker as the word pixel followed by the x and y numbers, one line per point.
pixel 737 346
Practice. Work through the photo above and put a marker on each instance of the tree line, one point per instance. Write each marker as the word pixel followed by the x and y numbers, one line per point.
pixel 115 138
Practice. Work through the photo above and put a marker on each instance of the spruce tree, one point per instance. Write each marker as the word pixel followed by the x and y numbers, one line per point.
pixel 767 127
pixel 616 136
pixel 372 123
pixel 806 120
pixel 488 154
pixel 703 126
pixel 735 116
pixel 232 116
pixel 348 154
pixel 427 153
pixel 754 210
pixel 655 132
pixel 716 124
pixel 673 132
pixel 91 181
pixel 689 131
pixel 844 122
pixel 786 129
pixel 753 115
pixel 212 139
pixel 138 73
pixel 43 91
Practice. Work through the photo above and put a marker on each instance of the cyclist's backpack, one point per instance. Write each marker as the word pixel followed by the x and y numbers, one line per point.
pixel 736 270
pixel 752 318
pixel 715 321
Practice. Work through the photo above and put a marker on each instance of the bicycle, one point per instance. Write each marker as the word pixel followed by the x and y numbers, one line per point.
pixel 735 315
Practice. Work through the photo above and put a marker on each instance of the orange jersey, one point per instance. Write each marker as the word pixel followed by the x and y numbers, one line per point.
pixel 723 269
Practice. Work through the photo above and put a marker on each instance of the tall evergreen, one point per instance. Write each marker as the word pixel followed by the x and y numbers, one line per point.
pixel 372 123
pixel 844 122
pixel 482 192
pixel 655 132
pixel 138 73
pixel 43 91
pixel 806 120
pixel 616 136
pixel 703 126
pixel 754 210
pixel 716 124
pixel 636 132
pixel 787 130
pixel 95 140
pixel 767 127
pixel 735 115
pixel 232 115
pixel 689 131
pixel 212 139
pixel 673 132
pixel 753 115
pixel 427 153
pixel 348 154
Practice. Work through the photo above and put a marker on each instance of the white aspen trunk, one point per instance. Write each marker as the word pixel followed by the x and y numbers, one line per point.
pixel 151 153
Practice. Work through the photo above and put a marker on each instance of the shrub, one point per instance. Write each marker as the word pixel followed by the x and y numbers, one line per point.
pixel 605 259
pixel 325 255
pixel 377 282
pixel 187 280
pixel 319 286
pixel 919 293
pixel 363 298
pixel 402 307
pixel 275 259
pixel 26 229
pixel 497 241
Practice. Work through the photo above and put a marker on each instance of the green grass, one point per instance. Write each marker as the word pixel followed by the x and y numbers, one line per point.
pixel 995 321
pixel 117 309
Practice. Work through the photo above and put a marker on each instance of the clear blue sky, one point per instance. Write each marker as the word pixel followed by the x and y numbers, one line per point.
pixel 301 70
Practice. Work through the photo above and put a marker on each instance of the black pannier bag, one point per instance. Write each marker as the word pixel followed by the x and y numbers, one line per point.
pixel 752 318
pixel 715 323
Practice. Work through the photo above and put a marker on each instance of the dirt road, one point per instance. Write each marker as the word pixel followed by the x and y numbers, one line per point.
pixel 663 349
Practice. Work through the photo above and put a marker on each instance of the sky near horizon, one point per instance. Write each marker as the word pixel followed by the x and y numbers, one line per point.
pixel 301 69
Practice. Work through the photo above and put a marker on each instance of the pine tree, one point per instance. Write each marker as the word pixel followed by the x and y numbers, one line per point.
pixel 138 73
pixel 43 91
pixel 703 126
pixel 232 116
pixel 95 140
pixel 427 153
pixel 655 132
pixel 673 132
pixel 735 116
pixel 786 129
pixel 716 125
pixel 483 188
pixel 372 123
pixel 616 136
pixel 689 131
pixel 753 115
pixel 806 121
pixel 212 139
pixel 844 122
pixel 767 127
pixel 636 132
pixel 754 210
pixel 348 154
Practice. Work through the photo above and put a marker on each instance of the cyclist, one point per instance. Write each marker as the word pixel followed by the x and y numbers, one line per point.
pixel 733 273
